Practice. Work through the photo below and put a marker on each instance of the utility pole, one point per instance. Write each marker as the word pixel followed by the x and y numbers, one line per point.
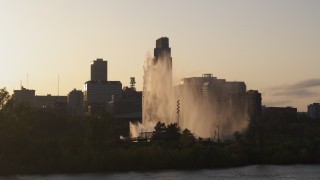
pixel 178 110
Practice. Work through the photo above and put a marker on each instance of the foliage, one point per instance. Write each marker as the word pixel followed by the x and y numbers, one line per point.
pixel 32 141
pixel 4 97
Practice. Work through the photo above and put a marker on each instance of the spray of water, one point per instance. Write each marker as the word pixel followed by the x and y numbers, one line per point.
pixel 209 107
pixel 157 94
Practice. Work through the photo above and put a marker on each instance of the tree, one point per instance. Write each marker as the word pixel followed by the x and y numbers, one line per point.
pixel 4 98
pixel 159 131
pixel 173 132
pixel 187 138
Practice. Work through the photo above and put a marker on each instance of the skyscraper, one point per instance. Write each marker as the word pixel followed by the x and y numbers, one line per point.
pixel 162 56
pixel 99 70
pixel 208 102
pixel 157 87
pixel 99 91
pixel 162 50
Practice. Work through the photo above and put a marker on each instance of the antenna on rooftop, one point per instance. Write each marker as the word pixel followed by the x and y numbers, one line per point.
pixel 27 80
pixel 58 83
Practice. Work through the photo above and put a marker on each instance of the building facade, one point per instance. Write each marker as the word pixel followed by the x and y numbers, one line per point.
pixel 75 102
pixel 99 70
pixel 157 84
pixel 53 104
pixel 314 110
pixel 25 96
pixel 98 93
pixel 208 102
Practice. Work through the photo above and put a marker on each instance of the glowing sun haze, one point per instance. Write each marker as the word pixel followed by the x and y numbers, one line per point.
pixel 273 46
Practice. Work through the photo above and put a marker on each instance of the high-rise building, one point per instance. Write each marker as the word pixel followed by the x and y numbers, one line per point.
pixel 157 87
pixel 163 62
pixel 98 93
pixel 162 50
pixel 207 102
pixel 314 110
pixel 99 70
pixel 254 103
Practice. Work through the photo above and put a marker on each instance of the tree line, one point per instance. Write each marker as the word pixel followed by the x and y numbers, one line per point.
pixel 33 141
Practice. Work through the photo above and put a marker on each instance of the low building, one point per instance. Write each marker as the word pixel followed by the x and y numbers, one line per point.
pixel 25 96
pixel 126 109
pixel 314 110
pixel 53 104
pixel 281 113
pixel 75 102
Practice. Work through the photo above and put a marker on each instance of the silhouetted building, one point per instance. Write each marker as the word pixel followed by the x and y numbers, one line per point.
pixel 130 102
pixel 98 93
pixel 216 99
pixel 254 102
pixel 281 113
pixel 314 110
pixel 99 70
pixel 75 102
pixel 53 104
pixel 157 87
pixel 162 52
pixel 126 109
pixel 25 96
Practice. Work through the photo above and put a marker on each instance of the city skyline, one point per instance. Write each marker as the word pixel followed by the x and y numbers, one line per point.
pixel 271 46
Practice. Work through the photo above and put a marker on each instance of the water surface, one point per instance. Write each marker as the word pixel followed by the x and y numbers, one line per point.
pixel 247 172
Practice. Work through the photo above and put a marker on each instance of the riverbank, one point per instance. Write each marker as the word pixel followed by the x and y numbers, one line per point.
pixel 50 158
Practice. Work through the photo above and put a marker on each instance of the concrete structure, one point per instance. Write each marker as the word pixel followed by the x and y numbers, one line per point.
pixel 131 102
pixel 48 103
pixel 280 113
pixel 157 82
pixel 161 63
pixel 25 96
pixel 75 102
pixel 99 70
pixel 254 102
pixel 98 93
pixel 214 96
pixel 53 104
pixel 314 110
pixel 126 109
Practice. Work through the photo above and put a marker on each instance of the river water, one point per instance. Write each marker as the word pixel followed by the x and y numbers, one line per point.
pixel 247 172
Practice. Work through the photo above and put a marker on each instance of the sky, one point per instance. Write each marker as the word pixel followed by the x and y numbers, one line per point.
pixel 273 46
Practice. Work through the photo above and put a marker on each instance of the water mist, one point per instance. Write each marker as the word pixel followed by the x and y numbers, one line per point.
pixel 209 107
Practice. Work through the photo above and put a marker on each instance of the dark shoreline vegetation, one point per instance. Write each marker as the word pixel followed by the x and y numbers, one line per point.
pixel 37 142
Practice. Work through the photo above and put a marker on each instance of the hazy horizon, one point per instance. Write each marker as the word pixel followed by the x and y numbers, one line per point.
pixel 273 46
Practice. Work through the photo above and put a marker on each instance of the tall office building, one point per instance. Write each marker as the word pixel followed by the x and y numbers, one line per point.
pixel 99 70
pixel 207 102
pixel 99 91
pixel 157 83
pixel 163 51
